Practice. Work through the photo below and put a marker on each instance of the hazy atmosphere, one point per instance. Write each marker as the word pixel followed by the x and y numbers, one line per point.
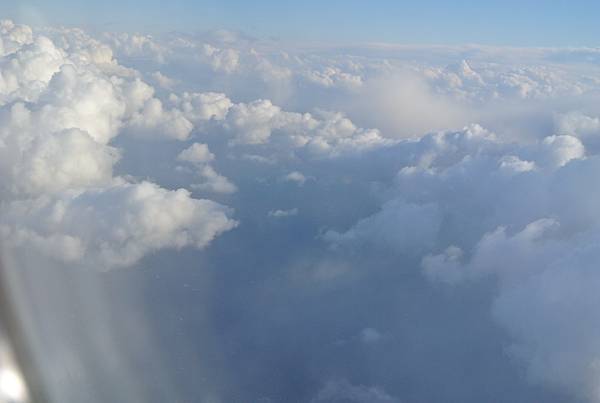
pixel 265 202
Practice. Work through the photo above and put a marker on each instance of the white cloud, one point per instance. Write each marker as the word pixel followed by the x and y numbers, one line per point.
pixel 136 45
pixel 62 160
pixel 199 155
pixel 558 150
pixel 164 81
pixel 213 181
pixel 396 189
pixel 225 60
pixel 547 287
pixel 200 107
pixel 334 76
pixel 296 177
pixel 283 213
pixel 60 109
pixel 153 121
pixel 196 153
pixel 112 227
pixel 14 36
pixel 25 72
pixel 533 230
pixel 324 134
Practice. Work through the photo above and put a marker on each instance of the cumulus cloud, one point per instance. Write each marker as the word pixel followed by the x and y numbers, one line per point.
pixel 326 134
pixel 163 80
pixel 14 36
pixel 447 238
pixel 213 181
pixel 546 291
pixel 226 60
pixel 58 116
pixel 196 153
pixel 154 121
pixel 200 107
pixel 516 213
pixel 334 76
pixel 200 156
pixel 113 227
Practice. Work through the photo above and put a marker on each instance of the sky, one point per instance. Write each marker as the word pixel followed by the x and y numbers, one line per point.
pixel 255 202
pixel 511 22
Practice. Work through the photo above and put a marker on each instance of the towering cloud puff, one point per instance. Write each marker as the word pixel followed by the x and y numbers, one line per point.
pixel 59 112
pixel 115 226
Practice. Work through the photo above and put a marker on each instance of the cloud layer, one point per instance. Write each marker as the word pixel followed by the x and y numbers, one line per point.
pixel 277 222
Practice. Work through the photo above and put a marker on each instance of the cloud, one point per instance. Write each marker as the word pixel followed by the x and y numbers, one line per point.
pixel 153 121
pixel 446 245
pixel 516 213
pixel 197 153
pixel 200 107
pixel 59 114
pixel 283 213
pixel 546 288
pixel 214 182
pixel 14 36
pixel 408 228
pixel 113 227
pixel 334 76
pixel 62 160
pixel 404 104
pixel 24 72
pixel 369 335
pixel 226 60
pixel 326 134
pixel 296 177
pixel 164 81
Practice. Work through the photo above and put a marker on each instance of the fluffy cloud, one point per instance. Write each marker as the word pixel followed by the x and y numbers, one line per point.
pixel 59 113
pixel 226 60
pixel 62 160
pixel 115 226
pixel 546 295
pixel 14 36
pixel 153 121
pixel 196 153
pixel 24 72
pixel 334 76
pixel 428 246
pixel 518 213
pixel 136 45
pixel 200 107
pixel 326 134
pixel 200 156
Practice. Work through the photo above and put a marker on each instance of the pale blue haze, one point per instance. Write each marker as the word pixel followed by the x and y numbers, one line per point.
pixel 510 22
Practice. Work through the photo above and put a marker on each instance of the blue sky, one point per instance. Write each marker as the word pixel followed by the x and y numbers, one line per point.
pixel 509 22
